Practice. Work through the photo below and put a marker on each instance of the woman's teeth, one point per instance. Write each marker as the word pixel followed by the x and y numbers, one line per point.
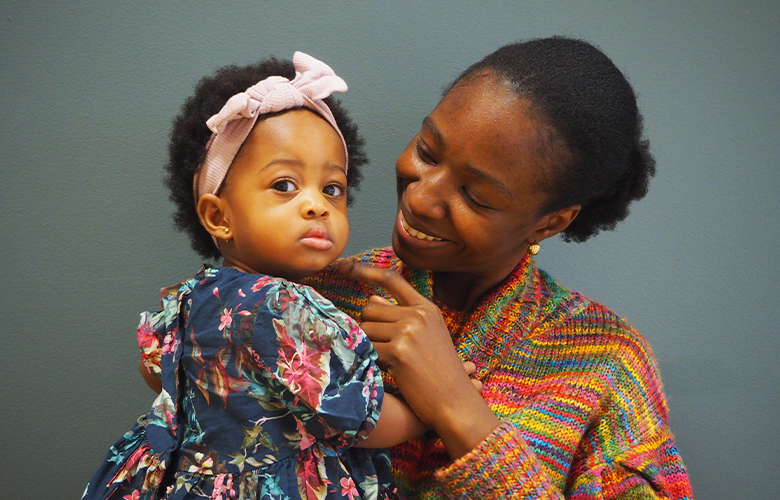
pixel 417 234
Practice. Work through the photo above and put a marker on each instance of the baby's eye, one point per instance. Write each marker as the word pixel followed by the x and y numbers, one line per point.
pixel 284 185
pixel 333 190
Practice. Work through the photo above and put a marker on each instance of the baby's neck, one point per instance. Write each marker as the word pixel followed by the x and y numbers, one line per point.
pixel 240 266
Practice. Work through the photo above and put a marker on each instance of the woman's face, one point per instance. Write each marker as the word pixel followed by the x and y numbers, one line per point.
pixel 468 200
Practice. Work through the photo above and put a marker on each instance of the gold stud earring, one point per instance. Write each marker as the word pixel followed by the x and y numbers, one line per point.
pixel 533 248
pixel 227 238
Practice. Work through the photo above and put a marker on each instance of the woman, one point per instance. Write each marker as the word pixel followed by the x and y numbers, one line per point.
pixel 537 139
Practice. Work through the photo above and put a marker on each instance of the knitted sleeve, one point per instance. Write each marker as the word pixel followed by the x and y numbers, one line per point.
pixel 627 450
pixel 503 466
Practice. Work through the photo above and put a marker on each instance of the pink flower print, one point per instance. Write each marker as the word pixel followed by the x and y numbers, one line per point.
pixel 169 342
pixel 146 336
pixel 226 319
pixel 221 486
pixel 215 292
pixel 241 293
pixel 355 336
pixel 301 368
pixel 348 488
pixel 135 495
pixel 306 438
pixel 260 283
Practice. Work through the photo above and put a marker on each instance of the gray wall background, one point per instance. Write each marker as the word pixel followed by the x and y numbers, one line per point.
pixel 87 92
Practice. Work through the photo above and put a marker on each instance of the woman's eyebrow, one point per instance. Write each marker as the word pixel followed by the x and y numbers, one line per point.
pixel 489 179
pixel 433 129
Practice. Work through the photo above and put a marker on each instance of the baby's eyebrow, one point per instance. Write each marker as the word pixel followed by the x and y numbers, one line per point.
pixel 281 161
pixel 336 166
pixel 299 165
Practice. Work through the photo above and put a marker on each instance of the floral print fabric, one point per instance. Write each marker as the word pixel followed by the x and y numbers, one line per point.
pixel 266 389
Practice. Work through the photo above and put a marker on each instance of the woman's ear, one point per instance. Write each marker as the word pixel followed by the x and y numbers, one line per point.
pixel 213 216
pixel 555 222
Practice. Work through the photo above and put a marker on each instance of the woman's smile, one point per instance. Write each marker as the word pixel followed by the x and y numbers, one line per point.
pixel 413 238
pixel 414 232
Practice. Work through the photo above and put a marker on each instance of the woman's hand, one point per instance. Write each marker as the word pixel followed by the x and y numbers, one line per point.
pixel 415 348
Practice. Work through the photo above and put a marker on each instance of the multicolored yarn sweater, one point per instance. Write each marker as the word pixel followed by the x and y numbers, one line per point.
pixel 575 386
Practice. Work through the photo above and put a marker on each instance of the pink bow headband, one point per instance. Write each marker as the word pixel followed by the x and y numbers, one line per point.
pixel 314 81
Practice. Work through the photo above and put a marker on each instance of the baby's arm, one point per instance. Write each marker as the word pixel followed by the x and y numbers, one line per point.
pixel 397 423
pixel 153 381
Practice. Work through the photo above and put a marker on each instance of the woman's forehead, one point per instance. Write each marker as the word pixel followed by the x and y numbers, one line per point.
pixel 482 124
pixel 485 114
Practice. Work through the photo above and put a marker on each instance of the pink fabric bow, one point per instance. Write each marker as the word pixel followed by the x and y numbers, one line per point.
pixel 314 80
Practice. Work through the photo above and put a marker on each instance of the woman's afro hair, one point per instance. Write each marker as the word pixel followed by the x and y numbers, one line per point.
pixel 593 128
pixel 189 135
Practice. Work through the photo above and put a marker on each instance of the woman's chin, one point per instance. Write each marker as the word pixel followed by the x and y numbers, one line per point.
pixel 415 253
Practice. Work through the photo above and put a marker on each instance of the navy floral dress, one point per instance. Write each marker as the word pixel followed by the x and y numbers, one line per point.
pixel 266 389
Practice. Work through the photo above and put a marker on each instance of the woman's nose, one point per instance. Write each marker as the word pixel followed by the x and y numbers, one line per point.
pixel 426 194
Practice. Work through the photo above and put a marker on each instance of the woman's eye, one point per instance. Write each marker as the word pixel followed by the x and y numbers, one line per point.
pixel 284 185
pixel 333 190
pixel 470 199
pixel 424 156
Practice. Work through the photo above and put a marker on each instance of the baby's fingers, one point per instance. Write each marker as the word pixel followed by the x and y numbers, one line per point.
pixel 470 368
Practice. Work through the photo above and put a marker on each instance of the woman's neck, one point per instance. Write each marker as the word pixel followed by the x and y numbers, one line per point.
pixel 464 291
pixel 461 292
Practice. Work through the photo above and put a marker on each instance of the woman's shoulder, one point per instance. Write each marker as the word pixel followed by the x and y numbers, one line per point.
pixel 585 321
pixel 591 334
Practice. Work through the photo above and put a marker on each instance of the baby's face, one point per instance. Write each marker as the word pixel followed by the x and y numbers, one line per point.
pixel 286 197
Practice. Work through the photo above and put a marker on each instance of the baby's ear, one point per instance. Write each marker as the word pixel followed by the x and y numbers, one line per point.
pixel 213 216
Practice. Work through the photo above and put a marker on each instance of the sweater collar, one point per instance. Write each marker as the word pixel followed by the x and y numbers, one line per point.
pixel 505 316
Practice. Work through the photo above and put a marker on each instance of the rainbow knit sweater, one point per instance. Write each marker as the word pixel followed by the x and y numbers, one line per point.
pixel 575 385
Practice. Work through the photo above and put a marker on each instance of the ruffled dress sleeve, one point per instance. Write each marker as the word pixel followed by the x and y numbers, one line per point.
pixel 154 337
pixel 319 362
pixel 151 332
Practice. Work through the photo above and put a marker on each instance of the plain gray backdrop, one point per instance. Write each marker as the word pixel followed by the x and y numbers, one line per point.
pixel 87 93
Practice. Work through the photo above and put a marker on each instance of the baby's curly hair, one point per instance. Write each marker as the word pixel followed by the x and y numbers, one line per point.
pixel 189 135
pixel 591 127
